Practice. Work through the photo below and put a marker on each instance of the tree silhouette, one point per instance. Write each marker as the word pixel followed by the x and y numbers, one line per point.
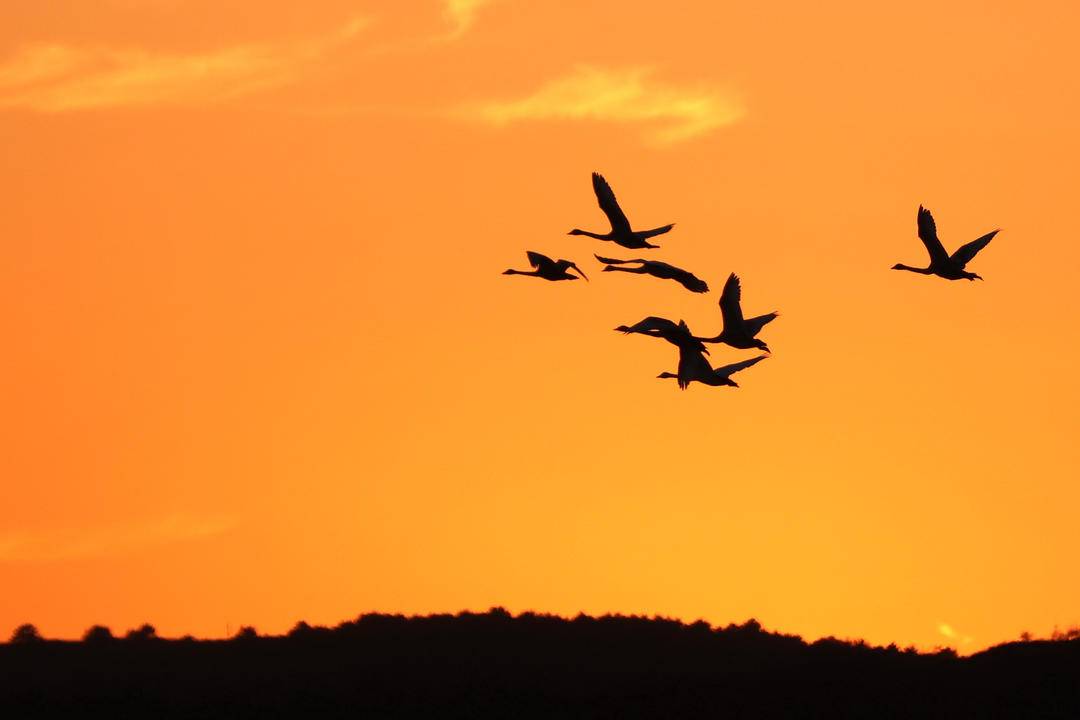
pixel 26 633
pixel 144 632
pixel 97 634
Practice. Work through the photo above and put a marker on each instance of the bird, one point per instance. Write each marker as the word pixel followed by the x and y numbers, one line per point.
pixel 678 335
pixel 950 267
pixel 621 233
pixel 693 366
pixel 738 332
pixel 547 268
pixel 658 269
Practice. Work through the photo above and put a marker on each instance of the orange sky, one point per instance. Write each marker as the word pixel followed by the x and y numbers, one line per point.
pixel 261 364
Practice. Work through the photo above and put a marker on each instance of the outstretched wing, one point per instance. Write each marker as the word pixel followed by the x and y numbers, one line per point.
pixel 966 253
pixel 646 234
pixel 754 324
pixel 728 370
pixel 616 260
pixel 928 234
pixel 730 308
pixel 652 325
pixel 609 204
pixel 693 365
pixel 538 261
pixel 690 281
pixel 570 264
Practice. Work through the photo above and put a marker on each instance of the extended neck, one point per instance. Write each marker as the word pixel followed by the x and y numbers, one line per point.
pixel 575 231
pixel 921 271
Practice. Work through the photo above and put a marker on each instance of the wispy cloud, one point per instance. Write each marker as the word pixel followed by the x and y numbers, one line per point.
pixel 462 13
pixel 74 544
pixel 668 114
pixel 59 78
pixel 948 631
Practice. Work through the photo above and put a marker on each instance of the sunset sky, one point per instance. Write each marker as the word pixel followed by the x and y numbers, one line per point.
pixel 260 364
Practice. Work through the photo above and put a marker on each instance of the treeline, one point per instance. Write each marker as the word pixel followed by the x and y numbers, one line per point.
pixel 528 666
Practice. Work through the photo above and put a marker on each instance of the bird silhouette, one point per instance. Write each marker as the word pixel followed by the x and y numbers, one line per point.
pixel 621 233
pixel 678 335
pixel 658 269
pixel 950 267
pixel 739 332
pixel 695 367
pixel 546 268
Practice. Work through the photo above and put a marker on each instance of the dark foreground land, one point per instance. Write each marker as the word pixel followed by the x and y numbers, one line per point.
pixel 530 666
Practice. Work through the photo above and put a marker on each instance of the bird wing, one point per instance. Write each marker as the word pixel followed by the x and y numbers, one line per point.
pixel 580 272
pixel 609 204
pixel 966 253
pixel 615 261
pixel 928 234
pixel 646 234
pixel 729 302
pixel 692 365
pixel 653 324
pixel 538 260
pixel 728 370
pixel 688 280
pixel 754 324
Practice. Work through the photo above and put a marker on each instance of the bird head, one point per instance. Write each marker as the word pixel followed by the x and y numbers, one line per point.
pixel 575 231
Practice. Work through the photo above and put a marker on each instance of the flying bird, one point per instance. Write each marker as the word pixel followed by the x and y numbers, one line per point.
pixel 546 268
pixel 950 267
pixel 693 366
pixel 739 332
pixel 621 233
pixel 678 335
pixel 657 269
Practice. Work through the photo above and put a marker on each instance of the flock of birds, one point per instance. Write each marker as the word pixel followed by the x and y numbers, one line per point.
pixel 738 332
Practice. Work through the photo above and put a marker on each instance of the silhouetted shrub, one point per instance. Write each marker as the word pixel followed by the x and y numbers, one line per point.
pixel 1071 634
pixel 145 632
pixel 26 633
pixel 246 633
pixel 97 634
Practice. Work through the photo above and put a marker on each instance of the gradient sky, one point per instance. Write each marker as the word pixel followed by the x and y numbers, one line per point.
pixel 261 364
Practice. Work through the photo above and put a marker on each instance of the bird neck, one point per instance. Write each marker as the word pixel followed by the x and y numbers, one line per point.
pixel 921 271
pixel 575 231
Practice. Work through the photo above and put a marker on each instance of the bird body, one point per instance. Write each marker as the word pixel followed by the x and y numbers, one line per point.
pixel 546 268
pixel 950 267
pixel 621 233
pixel 658 269
pixel 695 367
pixel 739 332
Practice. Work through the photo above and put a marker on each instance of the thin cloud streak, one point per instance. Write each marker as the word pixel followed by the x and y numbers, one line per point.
pixel 462 13
pixel 60 78
pixel 670 114
pixel 76 544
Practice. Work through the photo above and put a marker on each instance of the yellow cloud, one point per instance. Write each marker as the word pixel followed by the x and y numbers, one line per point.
pixel 462 13
pixel 624 96
pixel 74 544
pixel 948 631
pixel 58 78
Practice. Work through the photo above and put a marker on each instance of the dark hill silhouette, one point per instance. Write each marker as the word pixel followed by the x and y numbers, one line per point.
pixel 531 666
